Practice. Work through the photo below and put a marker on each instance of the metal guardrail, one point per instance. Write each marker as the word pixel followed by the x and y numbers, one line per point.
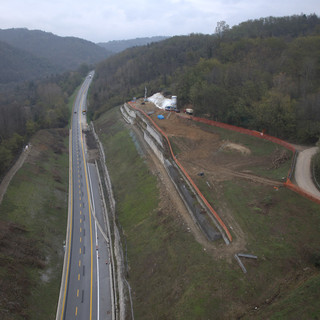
pixel 314 173
pixel 293 164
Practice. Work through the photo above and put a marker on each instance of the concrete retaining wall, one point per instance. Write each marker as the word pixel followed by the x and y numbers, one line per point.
pixel 153 146
pixel 155 135
pixel 129 119
pixel 129 111
pixel 155 140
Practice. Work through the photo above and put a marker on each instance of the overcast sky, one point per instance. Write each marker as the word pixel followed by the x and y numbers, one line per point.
pixel 105 20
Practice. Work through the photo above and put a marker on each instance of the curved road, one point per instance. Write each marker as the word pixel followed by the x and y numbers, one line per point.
pixel 86 291
pixel 303 171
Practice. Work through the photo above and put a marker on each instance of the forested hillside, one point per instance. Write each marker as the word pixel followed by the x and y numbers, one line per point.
pixel 17 65
pixel 262 74
pixel 59 53
pixel 31 106
pixel 116 46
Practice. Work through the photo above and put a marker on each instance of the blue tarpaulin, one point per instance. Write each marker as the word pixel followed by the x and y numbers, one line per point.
pixel 160 116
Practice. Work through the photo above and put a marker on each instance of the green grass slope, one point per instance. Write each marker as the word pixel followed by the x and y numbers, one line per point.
pixel 33 218
pixel 173 277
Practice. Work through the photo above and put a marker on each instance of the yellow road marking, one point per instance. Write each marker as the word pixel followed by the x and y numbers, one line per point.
pixel 80 250
pixel 76 311
pixel 79 263
pixel 80 239
pixel 89 207
pixel 78 276
pixel 70 233
pixel 78 293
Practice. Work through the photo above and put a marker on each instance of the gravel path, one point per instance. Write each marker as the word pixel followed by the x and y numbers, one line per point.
pixel 303 171
pixel 8 177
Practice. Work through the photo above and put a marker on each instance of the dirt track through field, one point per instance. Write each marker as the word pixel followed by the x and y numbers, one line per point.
pixel 8 177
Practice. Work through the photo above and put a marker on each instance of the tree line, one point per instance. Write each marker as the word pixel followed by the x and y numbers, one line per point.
pixel 262 74
pixel 28 107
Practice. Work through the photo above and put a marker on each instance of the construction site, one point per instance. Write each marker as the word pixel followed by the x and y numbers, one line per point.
pixel 202 157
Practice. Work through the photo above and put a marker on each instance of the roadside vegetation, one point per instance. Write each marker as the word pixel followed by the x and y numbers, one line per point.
pixel 34 215
pixel 173 277
pixel 33 225
pixel 32 106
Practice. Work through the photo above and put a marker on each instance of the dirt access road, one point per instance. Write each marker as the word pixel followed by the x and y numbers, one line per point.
pixel 303 171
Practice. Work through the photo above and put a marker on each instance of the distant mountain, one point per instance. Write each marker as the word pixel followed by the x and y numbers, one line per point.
pixel 18 65
pixel 56 54
pixel 117 46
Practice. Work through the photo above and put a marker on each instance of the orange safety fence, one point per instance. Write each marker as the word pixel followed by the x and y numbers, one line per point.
pixel 244 131
pixel 215 214
pixel 288 184
pixel 304 193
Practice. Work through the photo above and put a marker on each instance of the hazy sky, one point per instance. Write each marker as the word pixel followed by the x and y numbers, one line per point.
pixel 104 20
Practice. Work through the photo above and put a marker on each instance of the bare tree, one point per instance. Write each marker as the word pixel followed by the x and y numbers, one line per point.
pixel 221 28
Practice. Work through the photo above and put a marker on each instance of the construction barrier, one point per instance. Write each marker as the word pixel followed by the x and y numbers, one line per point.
pixel 244 131
pixel 217 217
pixel 288 184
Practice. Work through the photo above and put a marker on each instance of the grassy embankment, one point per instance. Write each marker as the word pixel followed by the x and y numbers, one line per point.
pixel 33 217
pixel 33 214
pixel 172 277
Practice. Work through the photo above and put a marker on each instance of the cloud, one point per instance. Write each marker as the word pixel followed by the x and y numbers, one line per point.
pixel 103 20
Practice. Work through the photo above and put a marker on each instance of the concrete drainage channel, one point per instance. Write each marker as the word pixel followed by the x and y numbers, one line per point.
pixel 122 289
pixel 196 211
pixel 195 206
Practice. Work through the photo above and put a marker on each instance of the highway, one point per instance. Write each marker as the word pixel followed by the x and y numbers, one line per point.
pixel 86 286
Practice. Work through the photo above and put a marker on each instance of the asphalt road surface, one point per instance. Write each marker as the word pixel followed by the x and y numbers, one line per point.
pixel 303 171
pixel 87 291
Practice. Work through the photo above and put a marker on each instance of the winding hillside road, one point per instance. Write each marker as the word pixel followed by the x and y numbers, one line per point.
pixel 303 171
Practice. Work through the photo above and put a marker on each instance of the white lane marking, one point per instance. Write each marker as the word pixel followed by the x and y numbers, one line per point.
pixel 97 252
pixel 98 282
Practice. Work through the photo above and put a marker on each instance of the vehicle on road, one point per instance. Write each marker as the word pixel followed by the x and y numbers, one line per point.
pixel 189 111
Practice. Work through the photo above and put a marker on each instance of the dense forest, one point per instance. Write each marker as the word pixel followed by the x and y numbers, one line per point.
pixel 261 74
pixel 31 106
pixel 32 54
pixel 18 65
pixel 116 46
